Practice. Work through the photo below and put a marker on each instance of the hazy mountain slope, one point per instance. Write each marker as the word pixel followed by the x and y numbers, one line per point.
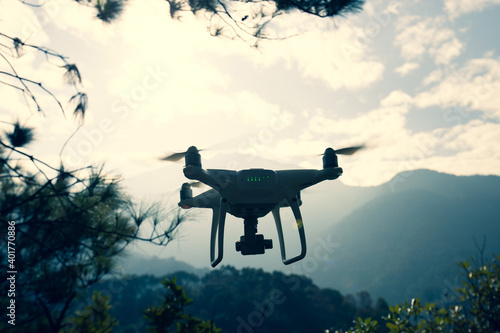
pixel 159 267
pixel 406 242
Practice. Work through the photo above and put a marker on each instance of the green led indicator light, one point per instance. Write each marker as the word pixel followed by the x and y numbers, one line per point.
pixel 260 179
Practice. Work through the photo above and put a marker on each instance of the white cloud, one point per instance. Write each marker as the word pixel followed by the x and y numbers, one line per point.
pixel 468 149
pixel 419 36
pixel 337 55
pixel 406 68
pixel 434 76
pixel 456 8
pixel 81 21
pixel 396 98
pixel 26 24
pixel 474 86
pixel 444 53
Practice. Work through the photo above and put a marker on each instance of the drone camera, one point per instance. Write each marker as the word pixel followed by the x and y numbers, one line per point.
pixel 257 245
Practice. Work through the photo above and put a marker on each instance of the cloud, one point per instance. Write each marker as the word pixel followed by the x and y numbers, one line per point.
pixel 456 8
pixel 27 22
pixel 474 86
pixel 407 68
pixel 445 52
pixel 381 126
pixel 435 76
pixel 468 149
pixel 332 54
pixel 396 98
pixel 419 36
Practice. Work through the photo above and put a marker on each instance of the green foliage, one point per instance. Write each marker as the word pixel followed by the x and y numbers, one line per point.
pixel 170 315
pixel 246 299
pixel 365 326
pixel 108 10
pixel 94 318
pixel 321 8
pixel 70 228
pixel 477 309
pixel 20 136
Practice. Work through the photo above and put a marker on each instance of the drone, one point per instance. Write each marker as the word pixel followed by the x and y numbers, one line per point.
pixel 251 194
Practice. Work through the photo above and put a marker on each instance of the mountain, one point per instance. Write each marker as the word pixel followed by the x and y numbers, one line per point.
pixel 159 267
pixel 399 240
pixel 406 241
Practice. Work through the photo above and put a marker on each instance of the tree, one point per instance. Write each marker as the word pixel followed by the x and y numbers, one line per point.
pixel 248 20
pixel 94 318
pixel 12 47
pixel 170 316
pixel 65 230
pixel 477 307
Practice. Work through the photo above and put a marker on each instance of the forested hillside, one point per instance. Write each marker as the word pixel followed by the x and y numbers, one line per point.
pixel 405 242
pixel 242 300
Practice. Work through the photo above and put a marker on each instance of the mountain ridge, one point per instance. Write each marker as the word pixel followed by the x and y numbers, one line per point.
pixel 426 224
pixel 398 240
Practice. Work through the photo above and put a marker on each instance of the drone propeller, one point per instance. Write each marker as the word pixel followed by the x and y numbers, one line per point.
pixel 343 151
pixel 348 150
pixel 174 157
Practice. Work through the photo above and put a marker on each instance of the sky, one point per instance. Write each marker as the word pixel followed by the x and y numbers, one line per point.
pixel 417 82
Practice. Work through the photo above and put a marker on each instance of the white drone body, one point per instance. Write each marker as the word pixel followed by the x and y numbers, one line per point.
pixel 251 194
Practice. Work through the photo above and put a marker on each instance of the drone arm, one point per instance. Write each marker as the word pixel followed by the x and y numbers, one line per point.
pixel 218 223
pixel 297 180
pixel 324 174
pixel 217 179
pixel 300 226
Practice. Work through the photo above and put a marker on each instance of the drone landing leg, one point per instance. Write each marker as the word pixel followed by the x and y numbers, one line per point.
pixel 277 220
pixel 218 223
pixel 300 226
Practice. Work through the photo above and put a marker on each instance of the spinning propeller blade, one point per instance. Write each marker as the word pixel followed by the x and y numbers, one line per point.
pixel 349 150
pixel 176 156
pixel 173 157
pixel 344 151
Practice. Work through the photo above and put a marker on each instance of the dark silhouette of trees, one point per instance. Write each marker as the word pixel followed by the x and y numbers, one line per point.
pixel 236 300
pixel 93 318
pixel 12 47
pixel 66 229
pixel 248 20
pixel 476 307
pixel 170 315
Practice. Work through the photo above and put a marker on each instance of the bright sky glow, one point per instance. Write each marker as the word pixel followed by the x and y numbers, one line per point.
pixel 419 82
